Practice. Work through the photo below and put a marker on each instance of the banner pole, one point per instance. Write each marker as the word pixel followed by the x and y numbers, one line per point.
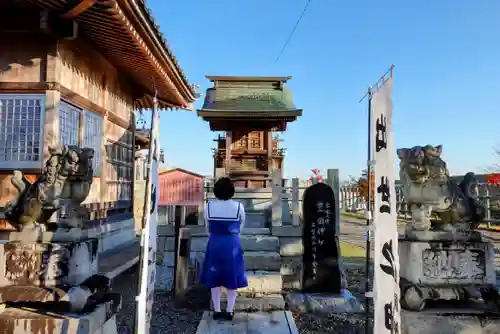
pixel 368 210
pixel 385 288
pixel 141 297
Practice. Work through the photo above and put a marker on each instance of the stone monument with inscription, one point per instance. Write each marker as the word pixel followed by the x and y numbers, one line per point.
pixel 442 256
pixel 324 283
pixel 49 267
pixel 321 252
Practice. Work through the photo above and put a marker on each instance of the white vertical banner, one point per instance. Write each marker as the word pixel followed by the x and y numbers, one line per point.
pixel 386 290
pixel 149 232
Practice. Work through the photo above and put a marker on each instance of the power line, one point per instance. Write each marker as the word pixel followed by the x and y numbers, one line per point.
pixel 293 31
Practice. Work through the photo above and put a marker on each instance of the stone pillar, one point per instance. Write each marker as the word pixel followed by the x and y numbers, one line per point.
pixel 201 206
pixel 277 202
pixel 295 202
pixel 183 215
pixel 229 142
pixel 334 182
pixel 201 213
pixel 270 152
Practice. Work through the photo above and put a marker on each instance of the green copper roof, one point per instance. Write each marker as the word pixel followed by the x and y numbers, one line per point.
pixel 248 99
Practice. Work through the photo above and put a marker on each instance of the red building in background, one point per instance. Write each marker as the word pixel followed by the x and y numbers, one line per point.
pixel 180 187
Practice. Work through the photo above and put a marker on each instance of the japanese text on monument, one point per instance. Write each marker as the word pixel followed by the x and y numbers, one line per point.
pixel 318 229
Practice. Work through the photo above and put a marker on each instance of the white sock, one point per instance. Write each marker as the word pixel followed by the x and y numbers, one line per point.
pixel 231 299
pixel 216 298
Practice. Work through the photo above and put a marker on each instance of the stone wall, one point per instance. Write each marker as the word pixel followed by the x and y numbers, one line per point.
pixel 165 258
pixel 289 263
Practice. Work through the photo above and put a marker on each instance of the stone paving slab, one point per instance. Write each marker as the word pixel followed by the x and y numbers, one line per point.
pixel 278 322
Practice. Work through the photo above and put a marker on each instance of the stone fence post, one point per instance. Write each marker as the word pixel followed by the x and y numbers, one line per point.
pixel 277 198
pixel 295 202
pixel 334 182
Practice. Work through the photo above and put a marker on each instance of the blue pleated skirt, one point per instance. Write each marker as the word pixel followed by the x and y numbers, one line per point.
pixel 224 265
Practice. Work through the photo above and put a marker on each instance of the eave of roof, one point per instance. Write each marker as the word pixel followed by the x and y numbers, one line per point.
pixel 180 170
pixel 157 39
pixel 259 114
pixel 132 29
pixel 213 78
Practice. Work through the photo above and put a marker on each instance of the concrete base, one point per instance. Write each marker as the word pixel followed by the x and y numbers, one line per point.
pixel 450 270
pixel 324 303
pixel 279 322
pixel 261 283
pixel 259 304
pixel 100 321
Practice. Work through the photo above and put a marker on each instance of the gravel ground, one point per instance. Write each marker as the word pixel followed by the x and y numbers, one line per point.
pixel 167 316
pixel 426 322
pixel 338 323
pixel 170 317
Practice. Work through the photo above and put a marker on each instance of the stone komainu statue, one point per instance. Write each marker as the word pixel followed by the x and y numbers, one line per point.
pixel 65 182
pixel 428 188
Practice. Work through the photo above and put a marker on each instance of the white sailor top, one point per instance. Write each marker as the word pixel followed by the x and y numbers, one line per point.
pixel 224 217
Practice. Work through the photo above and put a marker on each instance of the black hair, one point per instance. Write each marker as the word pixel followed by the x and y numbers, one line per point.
pixel 224 189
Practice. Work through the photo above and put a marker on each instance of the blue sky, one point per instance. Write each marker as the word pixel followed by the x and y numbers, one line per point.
pixel 447 74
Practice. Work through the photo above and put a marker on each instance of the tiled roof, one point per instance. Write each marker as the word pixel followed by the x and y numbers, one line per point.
pixel 248 99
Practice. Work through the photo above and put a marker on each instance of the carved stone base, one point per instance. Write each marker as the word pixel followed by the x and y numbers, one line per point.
pixel 415 235
pixel 21 320
pixel 48 264
pixel 446 269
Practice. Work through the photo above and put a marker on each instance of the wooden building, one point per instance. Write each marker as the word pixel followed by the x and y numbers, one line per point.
pixel 74 73
pixel 248 110
pixel 178 186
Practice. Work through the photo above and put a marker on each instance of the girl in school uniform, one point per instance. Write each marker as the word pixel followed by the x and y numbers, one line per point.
pixel 223 265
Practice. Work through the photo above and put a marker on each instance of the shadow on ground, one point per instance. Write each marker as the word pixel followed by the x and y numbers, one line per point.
pixel 168 317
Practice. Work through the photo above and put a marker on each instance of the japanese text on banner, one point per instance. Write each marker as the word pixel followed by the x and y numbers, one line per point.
pixel 386 259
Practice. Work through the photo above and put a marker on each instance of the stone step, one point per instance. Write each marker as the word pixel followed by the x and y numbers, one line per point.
pixel 256 231
pixel 256 219
pixel 259 243
pixel 264 303
pixel 262 261
pixel 262 283
pixel 249 243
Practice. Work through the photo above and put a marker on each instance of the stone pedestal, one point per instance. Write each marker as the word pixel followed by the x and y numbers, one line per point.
pixel 437 268
pixel 58 279
pixel 48 264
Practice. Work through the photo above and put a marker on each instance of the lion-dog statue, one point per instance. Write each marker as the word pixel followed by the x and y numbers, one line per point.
pixel 65 182
pixel 428 189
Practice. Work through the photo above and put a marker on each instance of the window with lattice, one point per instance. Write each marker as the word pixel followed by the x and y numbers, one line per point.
pixel 120 164
pixel 69 123
pixel 21 130
pixel 92 136
pixel 70 117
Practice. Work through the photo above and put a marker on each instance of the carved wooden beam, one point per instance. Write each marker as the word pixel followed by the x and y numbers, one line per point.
pixel 83 6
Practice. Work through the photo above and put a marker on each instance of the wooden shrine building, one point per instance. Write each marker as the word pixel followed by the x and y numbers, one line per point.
pixel 248 110
pixel 75 73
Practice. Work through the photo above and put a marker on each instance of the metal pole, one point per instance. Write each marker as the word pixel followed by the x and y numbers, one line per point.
pixel 368 211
